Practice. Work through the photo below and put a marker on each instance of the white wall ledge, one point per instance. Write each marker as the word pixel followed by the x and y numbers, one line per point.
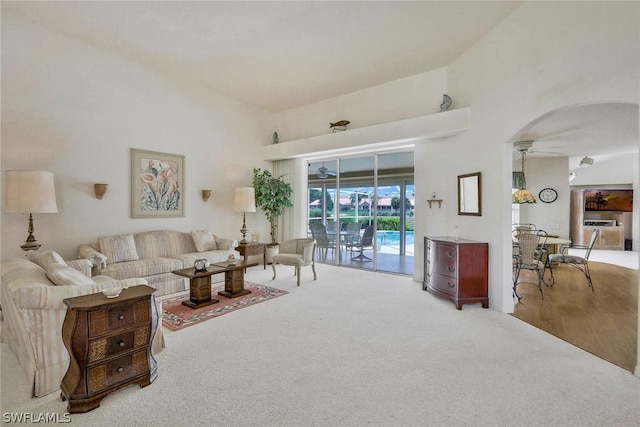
pixel 391 135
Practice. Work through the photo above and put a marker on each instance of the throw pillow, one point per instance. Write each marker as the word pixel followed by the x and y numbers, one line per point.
pixel 45 258
pixel 63 275
pixel 204 240
pixel 118 248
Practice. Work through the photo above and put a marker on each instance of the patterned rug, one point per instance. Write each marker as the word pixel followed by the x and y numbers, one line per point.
pixel 176 316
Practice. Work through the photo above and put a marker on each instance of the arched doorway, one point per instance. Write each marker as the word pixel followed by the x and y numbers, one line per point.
pixel 606 133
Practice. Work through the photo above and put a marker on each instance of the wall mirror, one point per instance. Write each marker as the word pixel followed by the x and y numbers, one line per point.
pixel 469 194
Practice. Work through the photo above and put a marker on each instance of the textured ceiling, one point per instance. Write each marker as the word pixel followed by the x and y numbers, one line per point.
pixel 284 54
pixel 277 55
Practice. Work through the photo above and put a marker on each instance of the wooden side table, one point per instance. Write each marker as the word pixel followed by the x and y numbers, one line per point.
pixel 109 344
pixel 254 249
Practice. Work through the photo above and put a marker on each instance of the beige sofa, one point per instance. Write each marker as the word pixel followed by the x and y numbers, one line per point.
pixel 153 255
pixel 33 312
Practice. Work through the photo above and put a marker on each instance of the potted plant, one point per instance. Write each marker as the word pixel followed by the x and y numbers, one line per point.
pixel 272 195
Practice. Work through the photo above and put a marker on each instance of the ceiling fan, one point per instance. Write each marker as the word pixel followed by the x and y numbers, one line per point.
pixel 324 173
pixel 526 147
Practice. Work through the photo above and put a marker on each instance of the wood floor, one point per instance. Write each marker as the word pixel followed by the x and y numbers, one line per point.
pixel 603 322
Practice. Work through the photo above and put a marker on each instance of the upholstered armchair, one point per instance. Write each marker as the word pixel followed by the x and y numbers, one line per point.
pixel 298 253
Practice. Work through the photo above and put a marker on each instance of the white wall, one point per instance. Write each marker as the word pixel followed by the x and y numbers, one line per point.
pixel 77 110
pixel 406 98
pixel 548 172
pixel 544 56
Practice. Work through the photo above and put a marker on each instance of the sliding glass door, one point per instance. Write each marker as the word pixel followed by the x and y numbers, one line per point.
pixel 366 206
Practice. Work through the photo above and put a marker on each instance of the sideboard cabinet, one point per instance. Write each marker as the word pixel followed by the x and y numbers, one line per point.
pixel 109 344
pixel 457 269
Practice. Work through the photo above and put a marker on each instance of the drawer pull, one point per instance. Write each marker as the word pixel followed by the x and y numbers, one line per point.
pixel 451 254
pixel 451 269
pixel 121 317
pixel 120 369
pixel 121 343
pixel 451 285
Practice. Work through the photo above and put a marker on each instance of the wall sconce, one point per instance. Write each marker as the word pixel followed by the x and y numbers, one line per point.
pixel 99 190
pixel 205 195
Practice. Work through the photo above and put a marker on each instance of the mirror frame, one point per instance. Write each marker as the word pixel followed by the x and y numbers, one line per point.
pixel 461 179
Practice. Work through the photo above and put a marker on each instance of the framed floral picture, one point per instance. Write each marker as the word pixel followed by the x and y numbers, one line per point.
pixel 157 183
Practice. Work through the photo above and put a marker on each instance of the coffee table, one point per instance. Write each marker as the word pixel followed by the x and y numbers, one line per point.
pixel 234 277
pixel 200 282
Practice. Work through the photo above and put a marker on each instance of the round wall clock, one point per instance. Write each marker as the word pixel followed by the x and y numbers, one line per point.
pixel 548 195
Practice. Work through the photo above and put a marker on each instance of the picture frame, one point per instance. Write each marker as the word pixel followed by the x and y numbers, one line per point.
pixel 470 194
pixel 157 184
pixel 603 200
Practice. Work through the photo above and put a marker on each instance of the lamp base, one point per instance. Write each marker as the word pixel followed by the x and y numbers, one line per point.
pixel 244 230
pixel 31 244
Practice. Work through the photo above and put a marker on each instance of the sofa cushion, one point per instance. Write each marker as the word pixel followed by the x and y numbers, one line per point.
pixel 118 248
pixel 45 258
pixel 63 275
pixel 141 268
pixel 204 240
pixel 163 243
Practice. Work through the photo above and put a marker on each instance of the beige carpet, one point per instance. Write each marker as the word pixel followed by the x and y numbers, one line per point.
pixel 356 348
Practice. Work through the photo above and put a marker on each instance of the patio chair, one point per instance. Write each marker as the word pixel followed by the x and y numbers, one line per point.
pixel 353 233
pixel 531 255
pixel 362 244
pixel 323 241
pixel 580 263
pixel 298 253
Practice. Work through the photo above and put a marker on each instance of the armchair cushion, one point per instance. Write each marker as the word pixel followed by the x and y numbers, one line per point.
pixel 63 275
pixel 118 248
pixel 288 259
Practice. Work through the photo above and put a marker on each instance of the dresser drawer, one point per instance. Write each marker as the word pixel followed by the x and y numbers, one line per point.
pixel 106 347
pixel 116 371
pixel 121 316
pixel 445 260
pixel 444 283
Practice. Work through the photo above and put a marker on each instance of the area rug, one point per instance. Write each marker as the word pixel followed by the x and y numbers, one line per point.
pixel 176 316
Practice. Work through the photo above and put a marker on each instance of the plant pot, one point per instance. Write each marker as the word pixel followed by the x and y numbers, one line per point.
pixel 271 251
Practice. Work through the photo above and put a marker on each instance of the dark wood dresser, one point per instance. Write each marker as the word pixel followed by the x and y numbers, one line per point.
pixel 109 343
pixel 457 269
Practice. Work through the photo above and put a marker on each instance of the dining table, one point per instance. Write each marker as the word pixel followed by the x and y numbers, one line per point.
pixel 554 244
pixel 345 238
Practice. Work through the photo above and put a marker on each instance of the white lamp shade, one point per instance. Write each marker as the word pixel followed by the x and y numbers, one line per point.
pixel 29 192
pixel 244 199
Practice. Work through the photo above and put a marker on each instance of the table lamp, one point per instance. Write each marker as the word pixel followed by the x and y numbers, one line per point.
pixel 30 192
pixel 244 201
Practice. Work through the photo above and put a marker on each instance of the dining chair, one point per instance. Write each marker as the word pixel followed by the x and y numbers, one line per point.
pixel 531 255
pixel 524 227
pixel 579 262
pixel 298 253
pixel 362 244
